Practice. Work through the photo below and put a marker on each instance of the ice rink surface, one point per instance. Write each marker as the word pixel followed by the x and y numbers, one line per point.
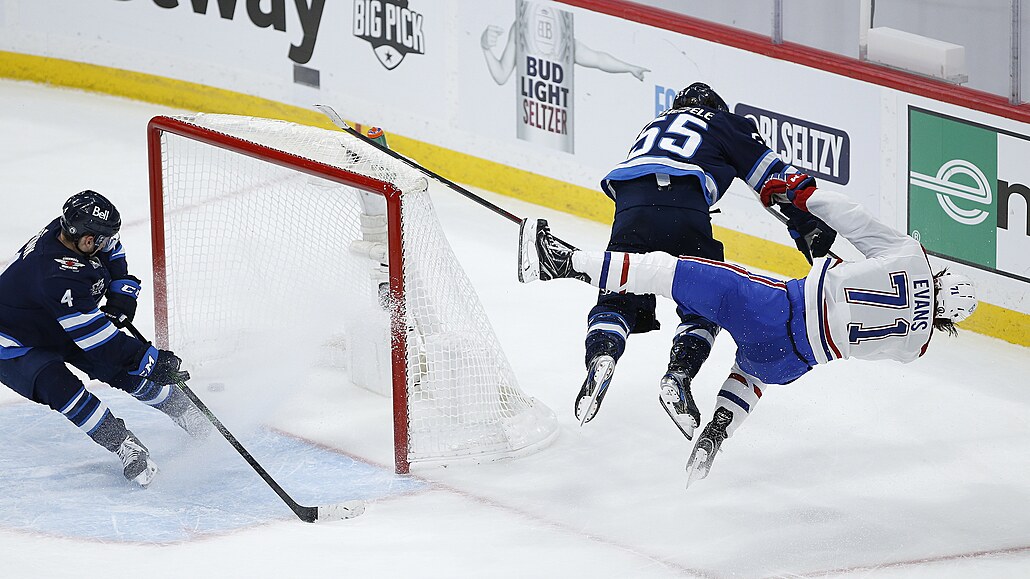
pixel 857 469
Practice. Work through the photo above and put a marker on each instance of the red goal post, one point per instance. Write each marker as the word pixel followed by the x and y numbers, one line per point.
pixel 291 201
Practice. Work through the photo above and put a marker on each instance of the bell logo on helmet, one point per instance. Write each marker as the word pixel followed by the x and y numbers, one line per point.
pixel 97 212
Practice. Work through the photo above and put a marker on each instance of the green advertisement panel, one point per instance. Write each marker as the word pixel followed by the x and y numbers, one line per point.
pixel 953 174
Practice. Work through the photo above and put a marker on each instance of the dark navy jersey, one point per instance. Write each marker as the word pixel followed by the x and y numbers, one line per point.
pixel 49 298
pixel 714 146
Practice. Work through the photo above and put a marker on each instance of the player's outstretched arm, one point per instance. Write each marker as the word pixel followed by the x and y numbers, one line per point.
pixel 850 219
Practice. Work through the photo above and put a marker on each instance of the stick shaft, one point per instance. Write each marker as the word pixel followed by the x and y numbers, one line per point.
pixel 339 122
pixel 783 219
pixel 306 514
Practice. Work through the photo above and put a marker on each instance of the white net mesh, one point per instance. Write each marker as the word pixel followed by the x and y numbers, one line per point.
pixel 261 258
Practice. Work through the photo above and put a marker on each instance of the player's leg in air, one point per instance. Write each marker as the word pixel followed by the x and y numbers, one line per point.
pixel 643 229
pixel 695 335
pixel 43 377
pixel 737 398
pixel 755 310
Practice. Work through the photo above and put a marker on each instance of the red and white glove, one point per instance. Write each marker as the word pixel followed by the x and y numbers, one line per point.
pixel 795 189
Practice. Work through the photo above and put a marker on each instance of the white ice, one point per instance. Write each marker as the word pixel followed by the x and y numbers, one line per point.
pixel 858 469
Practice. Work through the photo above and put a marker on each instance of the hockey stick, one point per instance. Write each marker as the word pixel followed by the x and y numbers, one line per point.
pixel 335 512
pixel 783 219
pixel 342 124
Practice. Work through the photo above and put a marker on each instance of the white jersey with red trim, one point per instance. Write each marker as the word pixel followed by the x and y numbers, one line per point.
pixel 877 308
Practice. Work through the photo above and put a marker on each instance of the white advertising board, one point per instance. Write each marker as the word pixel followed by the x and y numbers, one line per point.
pixel 549 88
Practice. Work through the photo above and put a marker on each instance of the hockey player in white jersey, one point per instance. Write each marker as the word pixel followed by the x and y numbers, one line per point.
pixel 883 307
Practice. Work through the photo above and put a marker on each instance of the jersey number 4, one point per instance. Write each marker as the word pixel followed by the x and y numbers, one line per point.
pixel 67 298
pixel 895 299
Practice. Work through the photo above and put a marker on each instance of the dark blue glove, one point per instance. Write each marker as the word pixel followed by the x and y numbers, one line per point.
pixel 121 300
pixel 166 369
pixel 812 235
pixel 159 366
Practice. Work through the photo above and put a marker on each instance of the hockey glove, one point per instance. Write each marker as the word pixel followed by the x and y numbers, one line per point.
pixel 795 189
pixel 121 301
pixel 166 369
pixel 812 235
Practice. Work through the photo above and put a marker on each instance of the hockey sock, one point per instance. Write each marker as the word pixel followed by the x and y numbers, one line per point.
pixel 174 405
pixel 639 273
pixel 691 346
pixel 152 394
pixel 740 393
pixel 110 432
pixel 606 334
pixel 59 389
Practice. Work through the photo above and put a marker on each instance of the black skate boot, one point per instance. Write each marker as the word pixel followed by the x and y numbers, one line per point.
pixel 703 455
pixel 599 377
pixel 136 460
pixel 543 256
pixel 678 402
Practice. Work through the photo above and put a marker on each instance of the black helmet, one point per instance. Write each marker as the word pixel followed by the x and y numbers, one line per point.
pixel 699 94
pixel 90 213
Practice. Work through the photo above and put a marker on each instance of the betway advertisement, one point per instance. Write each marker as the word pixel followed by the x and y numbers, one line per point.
pixel 561 91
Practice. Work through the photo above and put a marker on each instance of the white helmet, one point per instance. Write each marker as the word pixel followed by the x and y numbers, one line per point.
pixel 956 296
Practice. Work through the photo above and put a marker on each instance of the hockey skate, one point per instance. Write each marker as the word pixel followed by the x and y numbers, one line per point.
pixel 678 402
pixel 136 459
pixel 703 455
pixel 599 376
pixel 543 256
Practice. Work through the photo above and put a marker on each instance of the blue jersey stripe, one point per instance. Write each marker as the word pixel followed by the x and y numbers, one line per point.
pixel 757 175
pixel 819 305
pixel 78 319
pixel 604 270
pixel 73 401
pixel 97 338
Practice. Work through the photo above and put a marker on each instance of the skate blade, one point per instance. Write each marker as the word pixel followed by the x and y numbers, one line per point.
pixel 605 369
pixel 684 422
pixel 695 470
pixel 529 261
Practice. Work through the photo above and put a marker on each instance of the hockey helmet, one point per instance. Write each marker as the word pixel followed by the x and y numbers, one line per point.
pixel 90 213
pixel 699 94
pixel 956 296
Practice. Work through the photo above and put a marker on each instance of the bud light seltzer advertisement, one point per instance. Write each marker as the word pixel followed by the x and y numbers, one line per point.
pixel 545 58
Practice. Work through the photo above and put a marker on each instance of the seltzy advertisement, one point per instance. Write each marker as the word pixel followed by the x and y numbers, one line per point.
pixel 968 192
pixel 542 47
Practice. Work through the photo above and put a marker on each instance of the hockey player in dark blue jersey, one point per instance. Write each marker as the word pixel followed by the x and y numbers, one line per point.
pixel 50 316
pixel 680 165
pixel 883 307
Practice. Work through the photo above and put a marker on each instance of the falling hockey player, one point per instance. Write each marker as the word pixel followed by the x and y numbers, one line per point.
pixel 883 307
pixel 679 166
pixel 50 316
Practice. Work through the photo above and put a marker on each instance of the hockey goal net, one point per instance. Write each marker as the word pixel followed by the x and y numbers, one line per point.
pixel 268 234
